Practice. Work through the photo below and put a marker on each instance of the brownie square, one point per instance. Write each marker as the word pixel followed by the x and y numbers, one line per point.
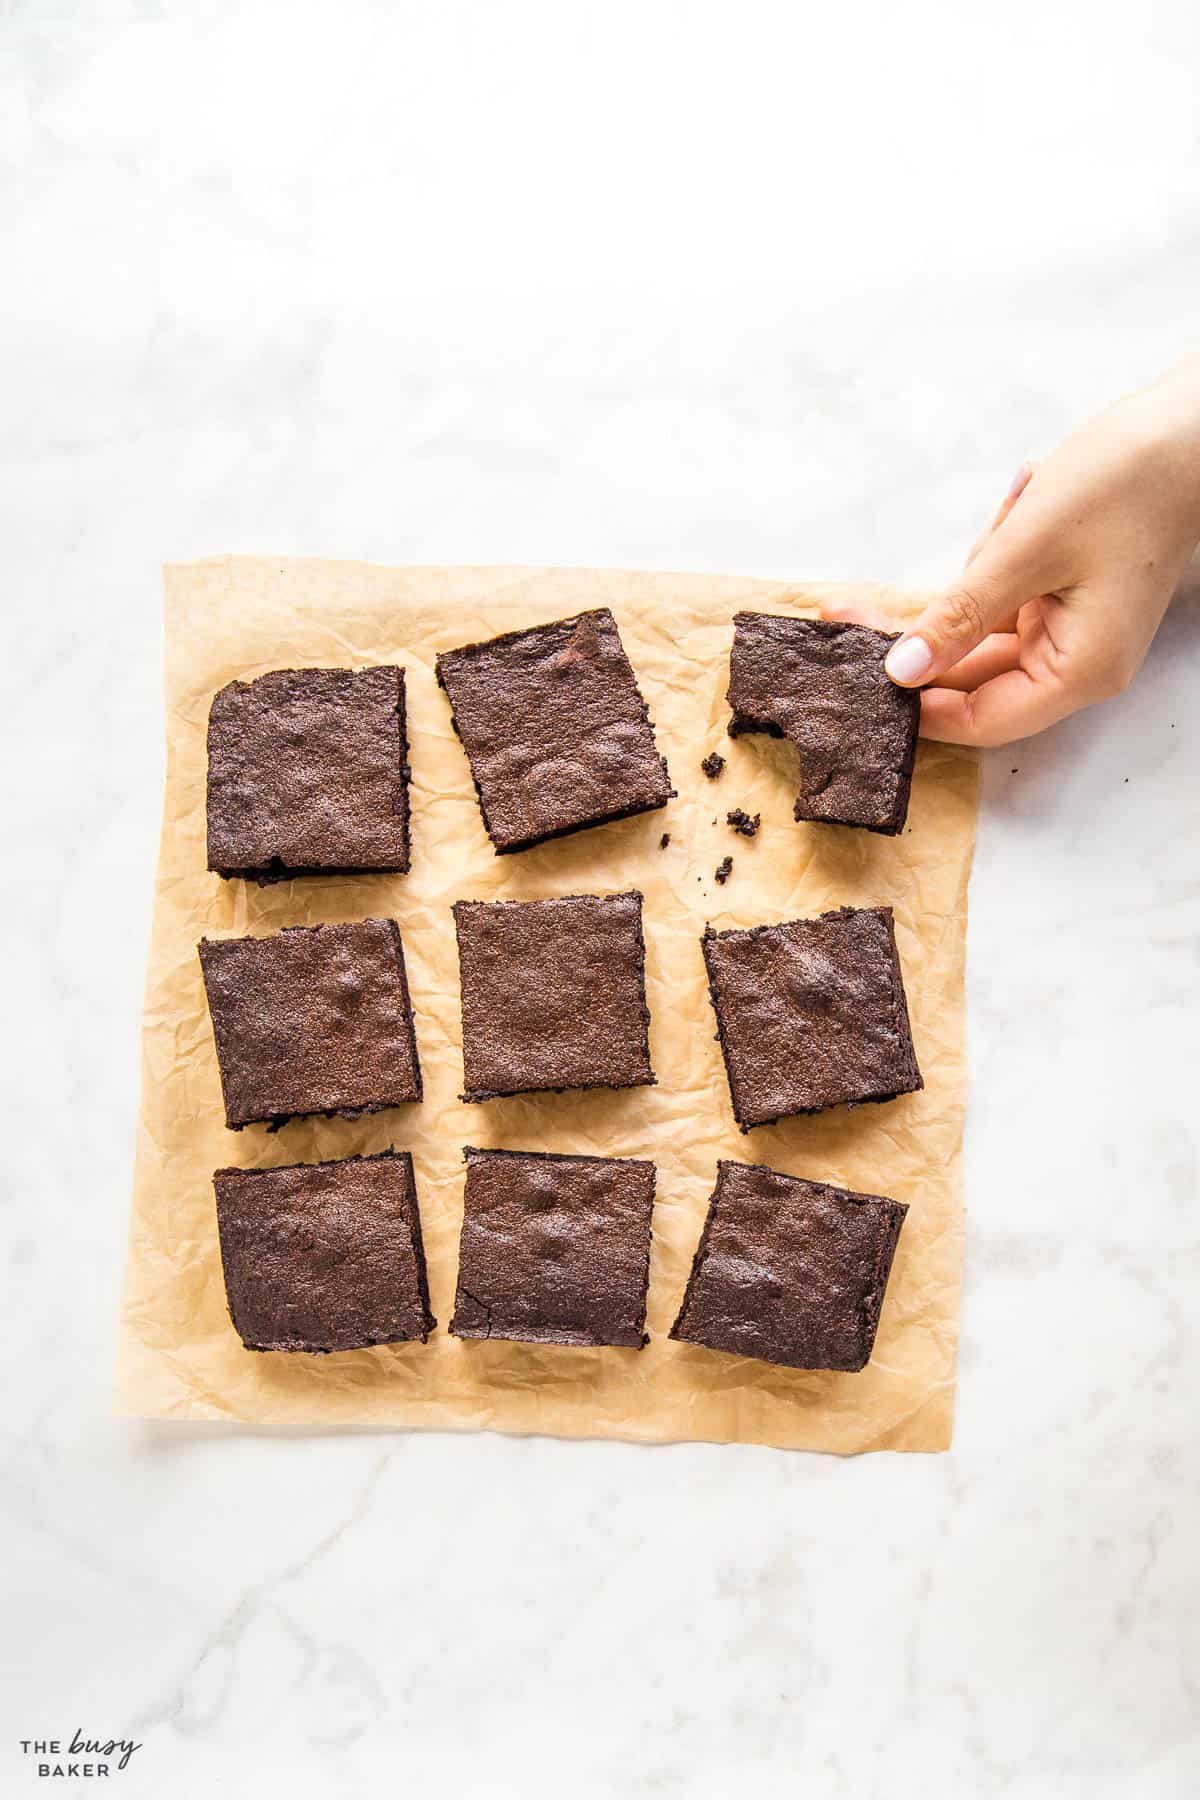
pixel 324 1256
pixel 789 1271
pixel 822 686
pixel 553 994
pixel 811 1014
pixel 554 1249
pixel 555 729
pixel 308 775
pixel 315 1019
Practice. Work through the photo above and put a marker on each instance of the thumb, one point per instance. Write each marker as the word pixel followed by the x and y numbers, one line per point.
pixel 990 590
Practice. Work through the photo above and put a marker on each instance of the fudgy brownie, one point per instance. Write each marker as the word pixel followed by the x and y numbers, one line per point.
pixel 811 1013
pixel 554 1249
pixel 553 994
pixel 822 686
pixel 324 1256
pixel 789 1271
pixel 555 729
pixel 308 775
pixel 314 1019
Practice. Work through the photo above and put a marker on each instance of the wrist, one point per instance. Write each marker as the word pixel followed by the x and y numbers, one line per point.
pixel 1168 424
pixel 1175 402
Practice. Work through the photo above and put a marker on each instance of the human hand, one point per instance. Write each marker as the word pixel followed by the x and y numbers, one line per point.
pixel 1061 596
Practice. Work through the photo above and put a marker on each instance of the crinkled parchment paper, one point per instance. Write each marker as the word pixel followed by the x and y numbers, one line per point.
pixel 179 1356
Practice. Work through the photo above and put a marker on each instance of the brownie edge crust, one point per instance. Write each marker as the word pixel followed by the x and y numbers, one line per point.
pixel 789 1271
pixel 324 1256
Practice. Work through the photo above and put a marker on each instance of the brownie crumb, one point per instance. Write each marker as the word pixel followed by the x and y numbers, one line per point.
pixel 724 870
pixel 742 822
pixel 664 840
pixel 712 765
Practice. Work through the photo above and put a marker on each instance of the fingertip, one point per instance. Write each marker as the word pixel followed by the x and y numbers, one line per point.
pixel 946 716
pixel 857 612
pixel 908 662
pixel 1019 483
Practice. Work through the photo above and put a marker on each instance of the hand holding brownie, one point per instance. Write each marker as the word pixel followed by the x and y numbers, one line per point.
pixel 1060 599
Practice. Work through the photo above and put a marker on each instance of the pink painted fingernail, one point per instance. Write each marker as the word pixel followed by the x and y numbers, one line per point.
pixel 1019 483
pixel 908 661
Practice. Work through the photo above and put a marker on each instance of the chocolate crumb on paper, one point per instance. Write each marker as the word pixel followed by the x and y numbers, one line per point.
pixel 724 870
pixel 742 822
pixel 713 764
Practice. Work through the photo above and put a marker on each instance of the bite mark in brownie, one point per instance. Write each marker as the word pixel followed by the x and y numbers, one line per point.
pixel 308 775
pixel 554 1249
pixel 553 994
pixel 811 1014
pixel 555 729
pixel 790 1271
pixel 313 1019
pixel 821 685
pixel 324 1256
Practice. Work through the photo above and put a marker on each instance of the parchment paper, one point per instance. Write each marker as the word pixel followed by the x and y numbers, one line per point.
pixel 179 1356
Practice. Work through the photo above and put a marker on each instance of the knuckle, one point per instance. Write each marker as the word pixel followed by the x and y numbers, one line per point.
pixel 975 729
pixel 964 615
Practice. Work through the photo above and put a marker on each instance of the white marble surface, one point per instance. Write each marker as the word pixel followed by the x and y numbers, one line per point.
pixel 780 289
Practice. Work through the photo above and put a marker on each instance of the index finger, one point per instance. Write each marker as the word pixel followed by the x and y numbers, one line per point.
pixel 862 612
